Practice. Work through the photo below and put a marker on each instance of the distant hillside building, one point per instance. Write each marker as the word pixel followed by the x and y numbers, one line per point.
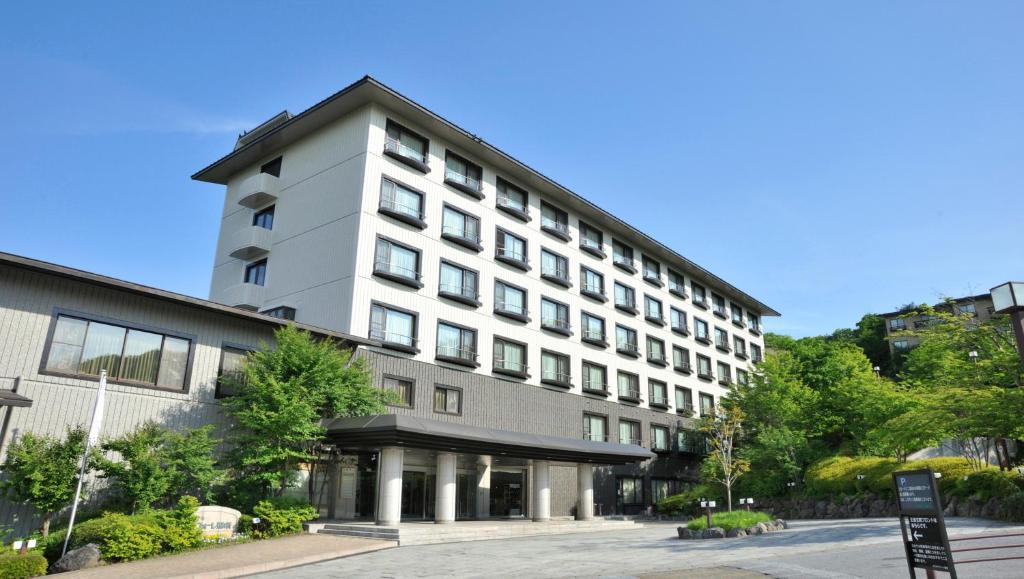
pixel 979 306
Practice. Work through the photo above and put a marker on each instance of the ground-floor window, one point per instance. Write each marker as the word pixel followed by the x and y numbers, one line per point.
pixel 663 488
pixel 631 491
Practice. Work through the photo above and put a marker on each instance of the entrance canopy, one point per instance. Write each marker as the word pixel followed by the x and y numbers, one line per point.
pixel 8 398
pixel 411 432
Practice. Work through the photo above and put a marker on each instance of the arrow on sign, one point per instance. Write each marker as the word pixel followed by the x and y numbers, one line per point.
pixel 915 535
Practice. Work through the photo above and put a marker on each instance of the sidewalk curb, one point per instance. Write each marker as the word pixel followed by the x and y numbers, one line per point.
pixel 282 564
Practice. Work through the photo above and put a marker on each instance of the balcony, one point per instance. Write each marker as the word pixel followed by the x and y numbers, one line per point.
pixel 249 243
pixel 628 349
pixel 658 401
pixel 556 325
pixel 655 318
pixel 465 294
pixel 460 356
pixel 394 340
pixel 720 312
pixel 557 276
pixel 402 153
pixel 685 410
pixel 556 228
pixel 677 290
pixel 657 358
pixel 247 296
pixel 624 263
pixel 510 368
pixel 628 307
pixel 592 247
pixel 595 387
pixel 741 354
pixel 595 436
pixel 703 339
pixel 467 184
pixel 594 292
pixel 629 395
pixel 397 273
pixel 683 367
pixel 700 302
pixel 258 190
pixel 725 380
pixel 405 213
pixel 723 347
pixel 653 278
pixel 634 441
pixel 681 330
pixel 512 257
pixel 462 236
pixel 514 311
pixel 556 378
pixel 595 337
pixel 506 204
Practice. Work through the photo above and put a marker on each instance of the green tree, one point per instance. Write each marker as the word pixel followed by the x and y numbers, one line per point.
pixel 191 458
pixel 283 394
pixel 723 465
pixel 142 474
pixel 43 472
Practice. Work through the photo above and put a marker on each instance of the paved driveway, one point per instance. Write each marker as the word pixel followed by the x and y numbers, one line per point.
pixel 849 548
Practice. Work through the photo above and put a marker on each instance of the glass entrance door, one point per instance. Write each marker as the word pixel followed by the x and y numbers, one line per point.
pixel 507 494
pixel 417 495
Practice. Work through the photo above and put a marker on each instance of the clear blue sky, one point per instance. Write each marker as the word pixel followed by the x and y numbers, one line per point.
pixel 829 158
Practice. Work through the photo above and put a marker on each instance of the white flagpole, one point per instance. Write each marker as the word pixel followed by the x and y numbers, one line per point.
pixel 93 438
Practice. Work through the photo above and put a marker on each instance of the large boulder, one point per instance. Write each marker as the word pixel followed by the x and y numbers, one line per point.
pixel 686 534
pixel 736 533
pixel 713 533
pixel 80 558
pixel 781 524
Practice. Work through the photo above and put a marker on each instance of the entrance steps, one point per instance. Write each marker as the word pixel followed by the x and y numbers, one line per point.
pixel 429 533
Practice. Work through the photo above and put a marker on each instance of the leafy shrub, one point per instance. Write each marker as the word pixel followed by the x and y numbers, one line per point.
pixel 730 521
pixel 687 502
pixel 1013 507
pixel 837 475
pixel 121 537
pixel 17 566
pixel 987 484
pixel 180 526
pixel 282 516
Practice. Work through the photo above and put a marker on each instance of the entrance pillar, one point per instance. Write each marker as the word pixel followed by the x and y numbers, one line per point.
pixel 541 491
pixel 483 488
pixel 585 491
pixel 389 485
pixel 444 497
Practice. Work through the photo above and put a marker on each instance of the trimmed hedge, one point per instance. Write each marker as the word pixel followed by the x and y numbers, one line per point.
pixel 281 516
pixel 730 521
pixel 837 476
pixel 17 566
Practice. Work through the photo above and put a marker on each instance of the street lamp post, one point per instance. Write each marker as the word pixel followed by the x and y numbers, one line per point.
pixel 1008 298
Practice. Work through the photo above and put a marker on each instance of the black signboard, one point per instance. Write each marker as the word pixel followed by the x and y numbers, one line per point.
pixel 924 529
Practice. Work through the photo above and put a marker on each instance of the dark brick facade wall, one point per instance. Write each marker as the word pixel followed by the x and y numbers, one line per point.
pixel 494 402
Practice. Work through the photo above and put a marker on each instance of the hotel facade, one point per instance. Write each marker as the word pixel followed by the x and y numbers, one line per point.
pixel 551 359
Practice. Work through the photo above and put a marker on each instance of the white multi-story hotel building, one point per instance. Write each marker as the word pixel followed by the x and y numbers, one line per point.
pixel 500 299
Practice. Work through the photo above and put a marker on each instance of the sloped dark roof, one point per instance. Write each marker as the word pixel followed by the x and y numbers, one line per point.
pixel 8 398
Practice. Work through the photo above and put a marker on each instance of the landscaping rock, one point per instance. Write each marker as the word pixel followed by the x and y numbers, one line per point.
pixel 781 524
pixel 736 533
pixel 713 533
pixel 762 527
pixel 755 530
pixel 950 510
pixel 686 534
pixel 80 558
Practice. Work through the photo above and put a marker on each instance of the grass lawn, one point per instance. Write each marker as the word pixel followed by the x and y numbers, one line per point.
pixel 729 521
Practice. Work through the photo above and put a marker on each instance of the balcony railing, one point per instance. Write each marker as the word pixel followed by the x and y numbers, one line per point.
pixel 593 335
pixel 658 357
pixel 592 288
pixel 387 267
pixel 554 225
pixel 393 145
pixel 683 366
pixel 631 304
pixel 559 273
pixel 508 203
pixel 464 180
pixel 393 205
pixel 461 233
pixel 618 259
pixel 465 290
pixel 629 393
pixel 382 335
pixel 510 253
pixel 595 385
pixel 510 365
pixel 591 243
pixel 627 347
pixel 556 376
pixel 686 407
pixel 467 354
pixel 720 311
pixel 658 399
pixel 556 323
pixel 634 441
pixel 595 436
pixel 504 306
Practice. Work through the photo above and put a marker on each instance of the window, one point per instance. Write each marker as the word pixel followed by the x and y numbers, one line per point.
pixel 656 351
pixel 554 268
pixel 739 346
pixel 700 330
pixel 593 329
pixel 967 309
pixel 592 283
pixel 678 318
pixel 700 295
pixel 652 310
pixel 755 353
pixel 554 368
pixel 659 438
pixel 897 324
pixel 676 284
pixel 447 400
pixel 631 490
pixel 397 262
pixel 629 386
pixel 460 227
pixel 554 316
pixel 393 327
pixel 401 202
pixel 742 377
pixel 272 167
pixel 722 339
pixel 724 373
pixel 405 145
pixel 901 344
pixel 737 315
pixel 280 312
pixel 625 297
pixel 591 240
pixel 663 488
pixel 256 273
pixel 707 405
pixel 658 392
pixel 463 175
pixel 718 305
pixel 622 256
pixel 458 283
pixel 509 357
pixel 456 344
pixel 264 218
pixel 511 249
pixel 509 300
pixel 703 366
pixel 689 441
pixel 754 323
pixel 595 427
pixel 625 341
pixel 681 359
pixel 684 400
pixel 83 347
pixel 629 433
pixel 512 199
pixel 404 387
pixel 652 270
pixel 231 376
pixel 595 377
pixel 554 221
